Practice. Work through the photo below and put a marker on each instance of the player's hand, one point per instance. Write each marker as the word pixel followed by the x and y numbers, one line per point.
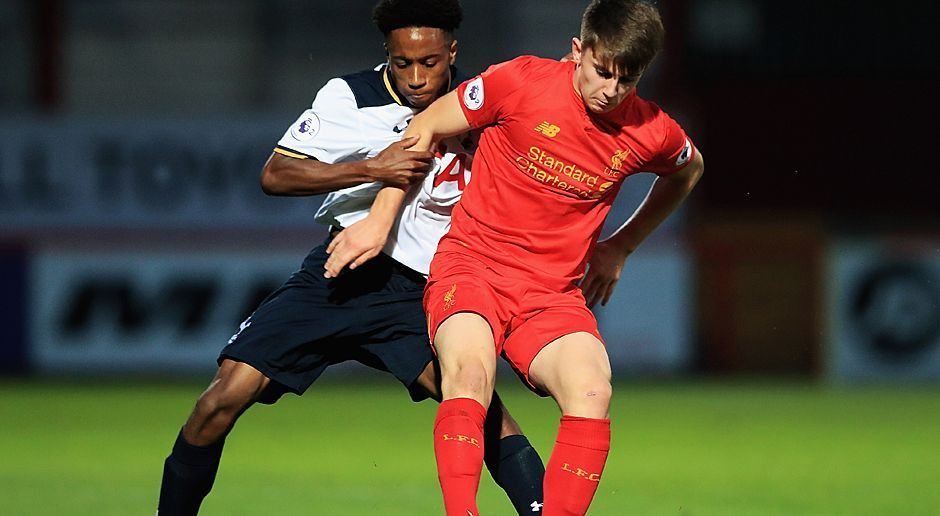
pixel 355 245
pixel 603 273
pixel 398 166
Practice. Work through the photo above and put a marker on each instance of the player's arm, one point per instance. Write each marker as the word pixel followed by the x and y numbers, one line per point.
pixel 440 120
pixel 666 194
pixel 365 239
pixel 287 175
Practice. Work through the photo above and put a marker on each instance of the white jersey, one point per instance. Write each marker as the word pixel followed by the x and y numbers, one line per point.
pixel 355 117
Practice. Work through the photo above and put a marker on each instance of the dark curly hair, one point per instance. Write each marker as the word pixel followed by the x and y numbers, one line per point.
pixel 389 15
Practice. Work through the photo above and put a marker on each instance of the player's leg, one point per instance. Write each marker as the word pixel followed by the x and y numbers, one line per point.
pixel 575 371
pixel 190 469
pixel 511 460
pixel 394 338
pixel 466 352
pixel 273 352
pixel 513 463
pixel 235 387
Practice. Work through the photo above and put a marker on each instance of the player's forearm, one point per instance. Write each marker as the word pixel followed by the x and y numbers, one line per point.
pixel 286 176
pixel 665 196
pixel 386 205
pixel 441 119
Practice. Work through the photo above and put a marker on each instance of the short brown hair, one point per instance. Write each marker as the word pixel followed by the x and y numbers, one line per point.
pixel 627 32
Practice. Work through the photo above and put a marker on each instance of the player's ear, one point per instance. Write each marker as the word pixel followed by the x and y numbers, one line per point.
pixel 576 50
pixel 453 52
pixel 385 48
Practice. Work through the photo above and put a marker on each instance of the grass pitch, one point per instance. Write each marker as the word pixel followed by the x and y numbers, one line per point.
pixel 698 448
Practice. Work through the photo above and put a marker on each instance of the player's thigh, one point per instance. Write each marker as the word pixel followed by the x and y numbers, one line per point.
pixel 297 332
pixel 236 387
pixel 236 384
pixel 575 370
pixel 465 347
pixel 409 358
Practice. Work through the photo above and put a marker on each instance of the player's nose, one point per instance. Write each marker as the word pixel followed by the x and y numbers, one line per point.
pixel 611 88
pixel 417 79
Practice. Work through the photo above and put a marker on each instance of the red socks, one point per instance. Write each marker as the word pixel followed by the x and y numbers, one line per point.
pixel 575 467
pixel 571 478
pixel 458 447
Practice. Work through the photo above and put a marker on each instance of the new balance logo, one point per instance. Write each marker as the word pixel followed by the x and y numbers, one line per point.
pixel 548 129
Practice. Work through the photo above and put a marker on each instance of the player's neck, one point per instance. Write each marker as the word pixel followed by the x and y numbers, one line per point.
pixel 575 78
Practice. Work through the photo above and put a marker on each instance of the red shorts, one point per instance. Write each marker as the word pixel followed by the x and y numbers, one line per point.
pixel 524 316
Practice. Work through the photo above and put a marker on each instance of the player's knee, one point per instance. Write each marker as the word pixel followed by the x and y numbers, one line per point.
pixel 466 379
pixel 600 393
pixel 224 400
pixel 588 399
pixel 468 376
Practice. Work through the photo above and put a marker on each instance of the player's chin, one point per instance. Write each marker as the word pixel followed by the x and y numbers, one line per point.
pixel 601 108
pixel 421 101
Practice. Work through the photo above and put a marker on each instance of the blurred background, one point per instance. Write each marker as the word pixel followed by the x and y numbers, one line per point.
pixel 134 236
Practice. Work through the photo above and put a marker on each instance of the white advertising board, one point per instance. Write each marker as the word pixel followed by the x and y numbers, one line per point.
pixel 130 173
pixel 117 312
pixel 149 312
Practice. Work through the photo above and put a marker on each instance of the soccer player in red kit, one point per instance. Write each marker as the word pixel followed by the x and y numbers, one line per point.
pixel 559 138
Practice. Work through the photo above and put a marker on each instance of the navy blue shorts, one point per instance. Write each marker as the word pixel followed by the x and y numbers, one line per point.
pixel 372 314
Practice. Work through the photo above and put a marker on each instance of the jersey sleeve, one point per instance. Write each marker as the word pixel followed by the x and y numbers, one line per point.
pixel 329 131
pixel 676 150
pixel 484 98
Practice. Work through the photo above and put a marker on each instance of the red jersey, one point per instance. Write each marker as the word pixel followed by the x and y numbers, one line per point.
pixel 546 170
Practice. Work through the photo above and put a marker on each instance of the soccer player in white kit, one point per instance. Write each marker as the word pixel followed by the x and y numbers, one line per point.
pixel 347 143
